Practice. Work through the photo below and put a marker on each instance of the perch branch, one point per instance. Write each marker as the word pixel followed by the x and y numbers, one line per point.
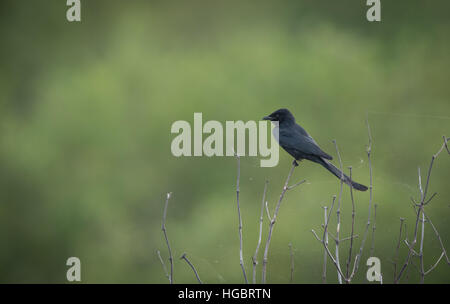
pixel 163 228
pixel 272 221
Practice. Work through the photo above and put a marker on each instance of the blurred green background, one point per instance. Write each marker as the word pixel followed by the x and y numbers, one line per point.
pixel 86 110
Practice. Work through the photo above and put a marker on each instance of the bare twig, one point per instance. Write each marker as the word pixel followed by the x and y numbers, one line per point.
pixel 325 230
pixel 272 221
pixel 324 239
pixel 374 227
pixel 431 197
pixel 163 228
pixel 163 264
pixel 445 143
pixel 355 236
pixel 439 238
pixel 241 255
pixel 268 212
pixel 255 256
pixel 334 237
pixel 296 184
pixel 291 253
pixel 338 212
pixel 184 257
pixel 353 226
pixel 444 252
pixel 420 206
pixel 422 267
pixel 335 259
pixel 434 265
pixel 410 247
pixel 398 247
pixel 361 248
pixel 324 273
pixel 316 236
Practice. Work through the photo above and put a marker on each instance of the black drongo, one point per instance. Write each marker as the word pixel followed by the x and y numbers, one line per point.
pixel 298 143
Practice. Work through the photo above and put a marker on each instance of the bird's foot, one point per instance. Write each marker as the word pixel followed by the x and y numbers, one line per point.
pixel 295 163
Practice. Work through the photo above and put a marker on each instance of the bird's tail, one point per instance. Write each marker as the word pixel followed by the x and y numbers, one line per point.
pixel 338 173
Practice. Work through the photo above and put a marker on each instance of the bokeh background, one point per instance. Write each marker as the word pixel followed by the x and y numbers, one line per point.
pixel 86 110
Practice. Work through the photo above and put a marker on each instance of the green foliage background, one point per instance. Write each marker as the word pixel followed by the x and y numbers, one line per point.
pixel 86 110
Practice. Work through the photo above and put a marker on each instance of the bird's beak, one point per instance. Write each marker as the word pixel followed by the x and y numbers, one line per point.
pixel 267 117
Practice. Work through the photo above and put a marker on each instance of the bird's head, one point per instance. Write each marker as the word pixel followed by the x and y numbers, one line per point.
pixel 281 115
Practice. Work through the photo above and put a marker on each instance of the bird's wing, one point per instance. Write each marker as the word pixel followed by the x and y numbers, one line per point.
pixel 294 140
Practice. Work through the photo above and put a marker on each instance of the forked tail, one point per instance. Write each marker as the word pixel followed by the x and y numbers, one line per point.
pixel 338 173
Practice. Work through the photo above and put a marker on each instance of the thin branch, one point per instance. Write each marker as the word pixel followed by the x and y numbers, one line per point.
pixel 315 235
pixel 408 271
pixel 163 228
pixel 422 268
pixel 324 238
pixel 398 247
pixel 353 226
pixel 408 268
pixel 272 221
pixel 355 236
pixel 411 251
pixel 338 212
pixel 361 248
pixel 255 256
pixel 411 248
pixel 439 238
pixel 184 257
pixel 241 255
pixel 340 240
pixel 374 227
pixel 423 194
pixel 324 273
pixel 415 266
pixel 163 264
pixel 325 230
pixel 435 264
pixel 328 233
pixel 296 184
pixel 268 212
pixel 429 200
pixel 445 143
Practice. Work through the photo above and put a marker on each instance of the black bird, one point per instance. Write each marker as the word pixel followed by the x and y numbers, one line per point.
pixel 298 143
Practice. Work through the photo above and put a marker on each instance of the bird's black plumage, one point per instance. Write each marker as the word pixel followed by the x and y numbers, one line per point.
pixel 298 143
